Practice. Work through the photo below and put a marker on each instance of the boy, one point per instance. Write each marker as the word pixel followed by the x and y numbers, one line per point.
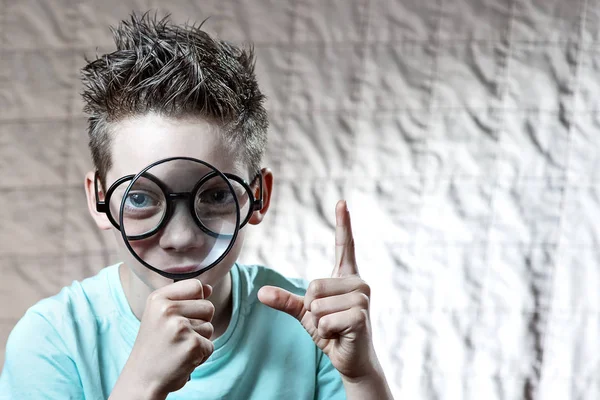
pixel 128 332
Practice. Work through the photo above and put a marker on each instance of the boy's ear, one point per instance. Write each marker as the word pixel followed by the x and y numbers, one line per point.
pixel 267 177
pixel 100 218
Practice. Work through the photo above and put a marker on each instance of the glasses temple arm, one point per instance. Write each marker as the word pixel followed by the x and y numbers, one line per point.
pixel 259 203
pixel 100 205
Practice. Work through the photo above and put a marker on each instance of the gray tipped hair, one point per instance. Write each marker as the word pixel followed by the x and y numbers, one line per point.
pixel 176 71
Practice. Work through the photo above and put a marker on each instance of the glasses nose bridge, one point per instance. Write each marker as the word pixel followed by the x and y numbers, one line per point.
pixel 179 196
pixel 174 196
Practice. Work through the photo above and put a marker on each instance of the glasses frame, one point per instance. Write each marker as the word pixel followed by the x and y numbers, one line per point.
pixel 255 204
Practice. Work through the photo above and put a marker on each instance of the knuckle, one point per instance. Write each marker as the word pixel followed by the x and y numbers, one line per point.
pixel 364 288
pixel 201 347
pixel 168 309
pixel 153 298
pixel 316 307
pixel 210 310
pixel 324 324
pixel 316 287
pixel 363 300
pixel 205 348
pixel 324 327
pixel 195 345
pixel 362 318
pixel 210 329
pixel 181 325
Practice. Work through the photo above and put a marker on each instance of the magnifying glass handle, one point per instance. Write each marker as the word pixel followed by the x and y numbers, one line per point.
pixel 177 280
pixel 174 281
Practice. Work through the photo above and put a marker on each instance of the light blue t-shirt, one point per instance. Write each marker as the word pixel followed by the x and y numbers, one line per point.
pixel 74 345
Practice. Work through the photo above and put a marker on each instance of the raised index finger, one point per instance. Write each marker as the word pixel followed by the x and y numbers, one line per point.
pixel 345 258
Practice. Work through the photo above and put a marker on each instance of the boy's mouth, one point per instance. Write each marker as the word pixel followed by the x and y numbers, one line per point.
pixel 183 269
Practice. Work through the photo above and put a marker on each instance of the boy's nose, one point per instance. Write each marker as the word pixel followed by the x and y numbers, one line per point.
pixel 181 232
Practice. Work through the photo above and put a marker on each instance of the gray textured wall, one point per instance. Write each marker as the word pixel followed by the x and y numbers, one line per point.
pixel 463 133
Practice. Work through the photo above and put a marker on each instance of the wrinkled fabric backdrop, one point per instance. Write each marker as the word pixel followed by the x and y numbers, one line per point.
pixel 463 134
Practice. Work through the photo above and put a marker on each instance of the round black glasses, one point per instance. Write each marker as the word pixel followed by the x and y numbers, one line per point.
pixel 113 198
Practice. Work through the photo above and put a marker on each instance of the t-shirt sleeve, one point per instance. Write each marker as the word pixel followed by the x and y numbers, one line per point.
pixel 329 382
pixel 37 365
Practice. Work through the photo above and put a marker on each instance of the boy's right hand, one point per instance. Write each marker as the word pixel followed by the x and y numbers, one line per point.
pixel 174 339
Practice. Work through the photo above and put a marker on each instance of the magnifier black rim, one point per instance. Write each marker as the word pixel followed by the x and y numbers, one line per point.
pixel 169 274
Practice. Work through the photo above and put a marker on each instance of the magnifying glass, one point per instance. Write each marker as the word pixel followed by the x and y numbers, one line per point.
pixel 142 206
pixel 192 189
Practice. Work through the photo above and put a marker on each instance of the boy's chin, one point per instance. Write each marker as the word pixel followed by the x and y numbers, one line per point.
pixel 140 274
pixel 156 281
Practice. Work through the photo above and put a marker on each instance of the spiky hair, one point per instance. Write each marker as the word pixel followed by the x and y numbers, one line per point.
pixel 177 71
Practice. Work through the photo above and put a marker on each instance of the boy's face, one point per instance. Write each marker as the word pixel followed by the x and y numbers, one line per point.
pixel 138 142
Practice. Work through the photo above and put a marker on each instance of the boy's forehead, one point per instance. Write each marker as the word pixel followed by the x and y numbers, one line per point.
pixel 141 140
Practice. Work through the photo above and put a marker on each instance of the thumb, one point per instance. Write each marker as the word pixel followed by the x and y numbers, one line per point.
pixel 282 300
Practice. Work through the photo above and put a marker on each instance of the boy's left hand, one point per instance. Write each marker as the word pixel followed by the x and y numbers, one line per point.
pixel 335 311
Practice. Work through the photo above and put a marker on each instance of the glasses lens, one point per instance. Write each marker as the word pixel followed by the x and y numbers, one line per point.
pixel 144 207
pixel 244 199
pixel 215 205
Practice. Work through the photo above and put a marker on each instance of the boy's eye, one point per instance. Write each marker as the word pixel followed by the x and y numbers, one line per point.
pixel 216 197
pixel 140 200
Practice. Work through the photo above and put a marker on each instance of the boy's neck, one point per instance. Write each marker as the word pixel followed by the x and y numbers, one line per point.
pixel 221 297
